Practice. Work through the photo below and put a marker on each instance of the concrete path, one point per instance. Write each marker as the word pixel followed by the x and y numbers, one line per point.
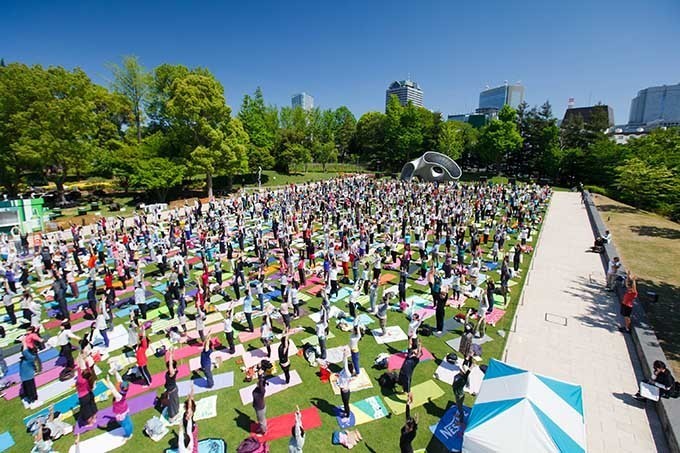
pixel 567 328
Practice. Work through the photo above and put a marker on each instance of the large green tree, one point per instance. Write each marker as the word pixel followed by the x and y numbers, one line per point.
pixel 344 128
pixel 262 132
pixel 370 137
pixel 131 80
pixel 201 118
pixel 499 137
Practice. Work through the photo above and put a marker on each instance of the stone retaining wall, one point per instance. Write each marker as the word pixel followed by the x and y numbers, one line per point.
pixel 644 337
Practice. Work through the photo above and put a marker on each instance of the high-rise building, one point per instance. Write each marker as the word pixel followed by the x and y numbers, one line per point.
pixel 495 98
pixel 406 91
pixel 657 106
pixel 302 100
pixel 587 113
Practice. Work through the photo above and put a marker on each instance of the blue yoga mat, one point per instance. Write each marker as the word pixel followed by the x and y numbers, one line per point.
pixel 207 446
pixel 6 441
pixel 66 404
pixel 45 355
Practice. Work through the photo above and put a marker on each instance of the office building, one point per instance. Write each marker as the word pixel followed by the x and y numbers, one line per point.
pixel 656 106
pixel 406 91
pixel 476 120
pixel 493 99
pixel 303 100
pixel 587 113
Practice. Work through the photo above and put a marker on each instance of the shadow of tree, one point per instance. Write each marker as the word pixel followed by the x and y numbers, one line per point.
pixel 653 231
pixel 616 208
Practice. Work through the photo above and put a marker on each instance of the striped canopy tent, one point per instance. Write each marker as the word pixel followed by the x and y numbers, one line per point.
pixel 519 411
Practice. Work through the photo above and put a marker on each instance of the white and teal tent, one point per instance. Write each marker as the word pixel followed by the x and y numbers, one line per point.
pixel 519 411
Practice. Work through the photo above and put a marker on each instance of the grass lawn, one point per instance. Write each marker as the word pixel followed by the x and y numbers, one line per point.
pixel 233 418
pixel 650 247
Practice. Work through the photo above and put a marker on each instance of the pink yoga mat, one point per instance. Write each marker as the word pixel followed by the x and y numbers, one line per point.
pixel 157 380
pixel 209 330
pixel 51 324
pixel 395 361
pixel 494 316
pixel 43 378
pixel 275 385
pixel 425 313
pixel 244 337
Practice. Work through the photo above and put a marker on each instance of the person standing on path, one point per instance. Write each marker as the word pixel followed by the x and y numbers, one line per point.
pixel 627 302
pixel 259 404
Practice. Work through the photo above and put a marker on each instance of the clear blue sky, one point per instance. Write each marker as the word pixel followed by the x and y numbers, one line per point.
pixel 346 53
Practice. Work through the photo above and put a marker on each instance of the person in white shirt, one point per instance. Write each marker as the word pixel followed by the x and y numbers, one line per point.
pixel 140 300
pixel 64 342
pixel 344 380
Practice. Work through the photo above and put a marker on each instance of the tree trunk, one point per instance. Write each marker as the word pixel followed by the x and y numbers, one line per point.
pixel 323 166
pixel 230 183
pixel 209 184
pixel 60 190
pixel 138 121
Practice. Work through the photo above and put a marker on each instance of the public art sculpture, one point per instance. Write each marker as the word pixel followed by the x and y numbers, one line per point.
pixel 431 167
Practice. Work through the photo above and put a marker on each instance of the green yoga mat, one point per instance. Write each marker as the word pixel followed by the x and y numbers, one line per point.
pixel 314 340
pixel 421 393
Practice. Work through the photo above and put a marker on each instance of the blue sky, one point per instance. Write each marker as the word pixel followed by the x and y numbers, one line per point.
pixel 346 53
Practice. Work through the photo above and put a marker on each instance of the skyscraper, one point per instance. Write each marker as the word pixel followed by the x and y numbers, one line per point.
pixel 658 106
pixel 303 100
pixel 495 98
pixel 405 90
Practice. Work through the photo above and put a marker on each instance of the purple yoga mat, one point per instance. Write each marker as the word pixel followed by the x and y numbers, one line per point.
pixel 105 416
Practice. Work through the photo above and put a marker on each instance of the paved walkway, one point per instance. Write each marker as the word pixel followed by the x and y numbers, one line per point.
pixel 567 328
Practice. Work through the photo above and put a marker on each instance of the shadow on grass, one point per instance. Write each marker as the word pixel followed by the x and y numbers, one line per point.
pixel 242 420
pixel 324 406
pixel 652 231
pixel 616 208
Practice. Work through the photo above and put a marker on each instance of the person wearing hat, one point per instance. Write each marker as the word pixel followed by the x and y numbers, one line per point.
pixel 120 405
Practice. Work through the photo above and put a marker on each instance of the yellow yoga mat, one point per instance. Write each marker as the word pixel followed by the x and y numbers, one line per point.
pixel 421 393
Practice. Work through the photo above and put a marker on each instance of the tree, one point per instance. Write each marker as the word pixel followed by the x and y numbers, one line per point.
pixel 499 137
pixel 160 92
pixel 157 174
pixel 649 187
pixel 451 140
pixel 200 116
pixel 344 129
pixel 262 133
pixel 60 126
pixel 132 81
pixel 325 153
pixel 370 137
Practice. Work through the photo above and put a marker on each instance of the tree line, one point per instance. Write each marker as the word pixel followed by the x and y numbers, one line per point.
pixel 154 130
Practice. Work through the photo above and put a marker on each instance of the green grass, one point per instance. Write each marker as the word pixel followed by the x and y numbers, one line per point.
pixel 382 435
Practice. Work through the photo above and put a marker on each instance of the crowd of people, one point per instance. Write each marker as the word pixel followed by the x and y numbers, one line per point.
pixel 341 234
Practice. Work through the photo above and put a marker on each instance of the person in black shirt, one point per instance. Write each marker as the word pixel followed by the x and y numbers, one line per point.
pixel 258 402
pixel 409 430
pixel 661 378
pixel 409 366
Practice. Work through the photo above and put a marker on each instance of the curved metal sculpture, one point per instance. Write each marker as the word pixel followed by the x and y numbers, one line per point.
pixel 431 167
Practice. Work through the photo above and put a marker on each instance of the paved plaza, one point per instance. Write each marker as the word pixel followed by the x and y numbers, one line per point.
pixel 567 328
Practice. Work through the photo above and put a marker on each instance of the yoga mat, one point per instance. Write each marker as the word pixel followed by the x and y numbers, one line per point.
pixel 395 361
pixel 336 354
pixel 40 380
pixel 55 389
pixel 449 431
pixel 357 383
pixel 314 340
pixel 211 445
pixel 446 372
pixel 332 313
pixel 280 426
pixel 6 441
pixel 364 320
pixel 217 357
pixel 104 442
pixel 276 385
pixel 106 416
pixel 254 357
pixel 157 380
pixel 386 277
pixel 344 422
pixel 421 394
pixel 342 293
pixel 368 409
pixel 455 343
pixel 221 381
pixel 53 323
pixel 246 336
pixel 66 406
pixel 495 316
pixel 425 313
pixel 209 330
pixel 393 333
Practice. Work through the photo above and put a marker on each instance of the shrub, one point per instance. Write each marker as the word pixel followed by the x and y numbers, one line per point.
pixel 597 189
